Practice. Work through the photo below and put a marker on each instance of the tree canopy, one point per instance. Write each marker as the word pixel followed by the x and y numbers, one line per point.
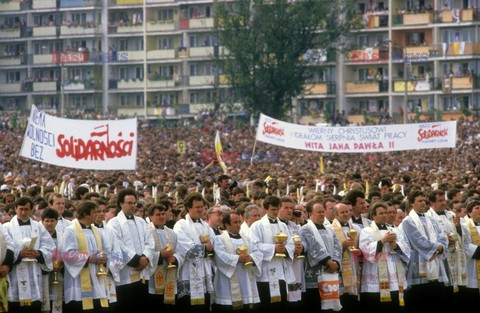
pixel 266 42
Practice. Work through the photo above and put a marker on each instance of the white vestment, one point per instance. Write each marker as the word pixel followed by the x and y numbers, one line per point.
pixel 133 238
pixel 470 249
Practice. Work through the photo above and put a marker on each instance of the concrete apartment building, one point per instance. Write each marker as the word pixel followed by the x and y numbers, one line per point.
pixel 157 57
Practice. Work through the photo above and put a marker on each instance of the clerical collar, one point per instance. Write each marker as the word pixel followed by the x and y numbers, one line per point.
pixel 272 221
pixel 98 225
pixel 130 217
pixel 158 227
pixel 344 224
pixel 54 235
pixel 234 236
pixel 286 222
pixel 420 214
pixel 441 213
pixel 357 220
pixel 59 218
pixel 196 220
pixel 84 226
pixel 319 226
pixel 23 223
pixel 382 227
pixel 476 224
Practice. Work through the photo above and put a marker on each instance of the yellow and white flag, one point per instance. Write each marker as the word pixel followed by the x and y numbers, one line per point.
pixel 219 150
pixel 321 167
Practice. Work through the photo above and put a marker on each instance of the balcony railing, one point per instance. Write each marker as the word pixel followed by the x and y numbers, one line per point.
pixel 459 83
pixel 456 15
pixel 44 4
pixel 159 1
pixel 164 82
pixel 319 88
pixel 367 87
pixel 162 54
pixel 200 80
pixel 413 18
pixel 85 84
pixel 161 26
pixel 79 30
pixel 11 87
pixel 129 2
pixel 367 55
pixel 419 85
pixel 46 31
pixel 9 6
pixel 374 19
pixel 79 3
pixel 46 86
pixel 135 55
pixel 124 28
pixel 13 60
pixel 207 22
pixel 202 52
pixel 460 49
pixel 134 83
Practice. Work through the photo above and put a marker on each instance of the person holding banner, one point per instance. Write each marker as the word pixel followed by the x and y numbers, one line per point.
pixel 426 272
pixel 273 239
pixel 162 286
pixel 384 250
pixel 85 250
pixel 137 247
pixel 238 264
pixel 323 251
pixel 34 246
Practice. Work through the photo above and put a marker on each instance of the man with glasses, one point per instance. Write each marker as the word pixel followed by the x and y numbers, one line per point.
pixel 137 247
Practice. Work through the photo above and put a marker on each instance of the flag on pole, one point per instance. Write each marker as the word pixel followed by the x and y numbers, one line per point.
pixel 248 191
pixel 367 189
pixel 321 167
pixel 219 150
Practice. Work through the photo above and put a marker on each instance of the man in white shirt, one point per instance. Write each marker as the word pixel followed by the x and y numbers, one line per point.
pixel 251 215
pixel 472 249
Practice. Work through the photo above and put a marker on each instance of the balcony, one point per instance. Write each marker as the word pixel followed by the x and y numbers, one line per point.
pixel 130 29
pixel 201 23
pixel 160 26
pixel 166 82
pixel 160 1
pixel 79 30
pixel 10 33
pixel 10 6
pixel 42 58
pixel 79 85
pixel 12 60
pixel 201 52
pixel 79 3
pixel 456 15
pixel 161 54
pixel 319 88
pixel 419 85
pixel 45 86
pixel 44 31
pixel 459 83
pixel 414 19
pixel 367 55
pixel 202 80
pixel 44 4
pixel 129 2
pixel 463 48
pixel 371 20
pixel 367 87
pixel 133 55
pixel 9 88
pixel 130 84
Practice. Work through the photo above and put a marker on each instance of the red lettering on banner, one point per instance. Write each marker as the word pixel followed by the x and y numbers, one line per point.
pixel 271 129
pixel 432 133
pixel 368 146
pixel 72 57
pixel 94 149
pixel 339 146
pixel 314 145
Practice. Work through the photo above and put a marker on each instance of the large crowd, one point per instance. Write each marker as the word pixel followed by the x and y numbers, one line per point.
pixel 416 209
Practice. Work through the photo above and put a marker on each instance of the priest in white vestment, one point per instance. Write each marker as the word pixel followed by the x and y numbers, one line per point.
pixel 472 249
pixel 33 245
pixel 384 249
pixel 250 216
pixel 350 261
pixel 276 273
pixel 162 286
pixel 323 252
pixel 296 289
pixel 426 272
pixel 195 243
pixel 238 262
pixel 85 256
pixel 137 247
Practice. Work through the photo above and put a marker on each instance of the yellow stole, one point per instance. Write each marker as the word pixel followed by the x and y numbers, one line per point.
pixel 476 241
pixel 347 269
pixel 85 280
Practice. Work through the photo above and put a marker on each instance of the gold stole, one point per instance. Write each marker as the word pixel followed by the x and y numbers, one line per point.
pixel 85 280
pixel 476 241
pixel 347 269
pixel 237 301
pixel 165 278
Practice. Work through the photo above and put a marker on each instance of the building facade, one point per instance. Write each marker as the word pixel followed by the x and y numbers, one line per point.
pixel 157 57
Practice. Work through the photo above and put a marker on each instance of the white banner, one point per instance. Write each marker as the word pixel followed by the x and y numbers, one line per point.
pixel 357 139
pixel 82 144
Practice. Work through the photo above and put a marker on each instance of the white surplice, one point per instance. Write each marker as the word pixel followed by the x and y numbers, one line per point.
pixel 371 256
pixel 111 245
pixel 196 268
pixel 424 248
pixel 133 238
pixel 75 262
pixel 161 232
pixel 34 269
pixel 470 249
pixel 245 230
pixel 227 265
pixel 297 266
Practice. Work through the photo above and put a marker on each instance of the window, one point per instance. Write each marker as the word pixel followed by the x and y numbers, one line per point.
pixel 124 73
pixel 139 72
pixel 123 100
pixel 193 41
pixel 194 97
pixel 193 69
pixel 165 43
pixel 139 100
pixel 165 15
pixel 12 77
pixel 123 44
pixel 362 74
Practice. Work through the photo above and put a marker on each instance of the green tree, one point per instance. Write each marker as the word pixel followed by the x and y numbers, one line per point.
pixel 266 42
